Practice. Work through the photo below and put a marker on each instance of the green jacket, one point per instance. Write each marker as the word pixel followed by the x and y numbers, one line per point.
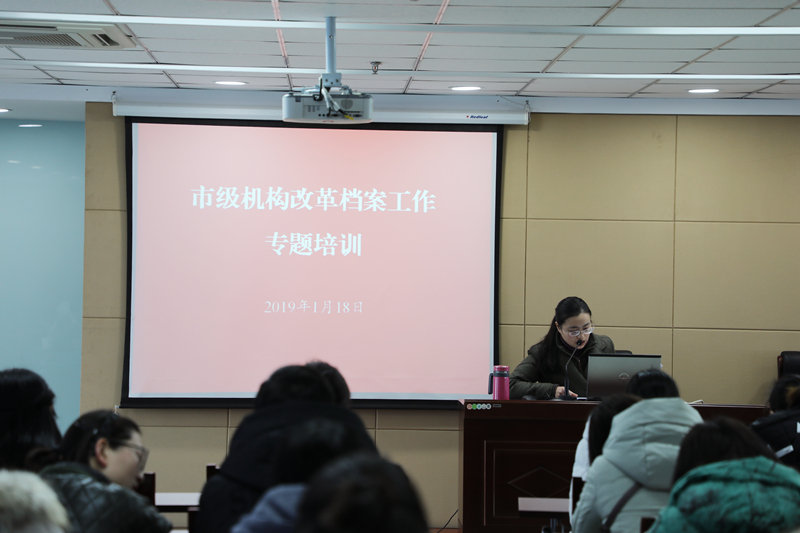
pixel 529 378
pixel 738 496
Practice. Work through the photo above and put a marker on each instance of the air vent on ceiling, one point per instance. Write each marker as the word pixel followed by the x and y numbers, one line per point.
pixel 63 35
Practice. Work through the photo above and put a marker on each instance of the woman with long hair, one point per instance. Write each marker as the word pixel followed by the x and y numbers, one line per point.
pixel 570 340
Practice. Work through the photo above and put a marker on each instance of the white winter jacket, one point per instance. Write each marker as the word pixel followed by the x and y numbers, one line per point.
pixel 642 446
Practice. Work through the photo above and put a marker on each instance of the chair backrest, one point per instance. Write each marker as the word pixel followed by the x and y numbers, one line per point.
pixel 211 470
pixel 788 363
pixel 624 351
pixel 147 487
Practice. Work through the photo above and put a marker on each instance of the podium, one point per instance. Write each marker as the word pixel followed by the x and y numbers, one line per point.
pixel 516 460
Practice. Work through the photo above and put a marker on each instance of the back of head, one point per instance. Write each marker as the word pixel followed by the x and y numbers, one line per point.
pixel 307 447
pixel 294 383
pixel 652 383
pixel 27 419
pixel 335 379
pixel 721 439
pixel 601 418
pixel 779 396
pixel 361 493
pixel 29 505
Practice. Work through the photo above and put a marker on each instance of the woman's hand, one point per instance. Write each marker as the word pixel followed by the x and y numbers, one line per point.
pixel 560 393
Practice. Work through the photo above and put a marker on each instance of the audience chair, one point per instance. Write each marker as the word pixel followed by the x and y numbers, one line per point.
pixel 147 487
pixel 788 363
pixel 628 352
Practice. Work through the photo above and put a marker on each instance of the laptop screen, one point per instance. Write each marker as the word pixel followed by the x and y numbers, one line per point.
pixel 609 373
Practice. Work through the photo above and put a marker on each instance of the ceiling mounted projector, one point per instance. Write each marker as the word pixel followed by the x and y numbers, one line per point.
pixel 318 104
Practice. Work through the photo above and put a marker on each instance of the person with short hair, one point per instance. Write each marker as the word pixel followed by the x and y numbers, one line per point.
pixel 727 479
pixel 94 470
pixel 361 493
pixel 27 417
pixel 779 430
pixel 652 383
pixel 29 505
pixel 292 395
pixel 569 341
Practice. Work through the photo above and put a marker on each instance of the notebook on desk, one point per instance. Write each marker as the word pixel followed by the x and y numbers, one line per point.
pixel 609 373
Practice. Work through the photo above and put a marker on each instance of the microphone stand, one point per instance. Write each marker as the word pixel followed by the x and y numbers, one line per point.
pixel 567 395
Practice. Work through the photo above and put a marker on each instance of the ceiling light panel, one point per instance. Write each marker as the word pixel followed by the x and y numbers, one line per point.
pixel 204 33
pixel 710 67
pixel 623 16
pixel 487 87
pixel 490 52
pixel 724 88
pixel 399 13
pixel 624 55
pixel 91 56
pixel 196 9
pixel 267 80
pixel 765 42
pixel 541 16
pixel 229 60
pixel 609 67
pixel 212 47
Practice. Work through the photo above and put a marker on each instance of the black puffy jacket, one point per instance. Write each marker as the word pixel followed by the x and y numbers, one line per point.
pixel 95 505
pixel 781 431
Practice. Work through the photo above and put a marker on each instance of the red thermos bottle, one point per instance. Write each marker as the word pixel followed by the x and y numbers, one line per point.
pixel 498 383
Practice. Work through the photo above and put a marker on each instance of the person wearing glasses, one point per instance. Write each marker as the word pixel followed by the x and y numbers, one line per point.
pixel 571 338
pixel 99 461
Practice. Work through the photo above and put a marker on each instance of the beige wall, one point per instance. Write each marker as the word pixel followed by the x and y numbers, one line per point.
pixel 682 233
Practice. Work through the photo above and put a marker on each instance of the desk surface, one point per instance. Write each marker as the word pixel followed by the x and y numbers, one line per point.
pixel 176 502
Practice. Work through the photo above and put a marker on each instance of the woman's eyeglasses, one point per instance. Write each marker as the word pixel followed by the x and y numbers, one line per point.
pixel 585 331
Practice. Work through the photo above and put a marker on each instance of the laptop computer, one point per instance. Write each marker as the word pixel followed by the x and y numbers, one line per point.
pixel 609 373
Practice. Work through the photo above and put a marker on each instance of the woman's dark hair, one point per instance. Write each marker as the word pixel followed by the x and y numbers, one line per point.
pixel 361 493
pixel 309 446
pixel 779 396
pixel 721 439
pixel 27 419
pixel 335 379
pixel 652 383
pixel 567 308
pixel 294 383
pixel 601 418
pixel 80 439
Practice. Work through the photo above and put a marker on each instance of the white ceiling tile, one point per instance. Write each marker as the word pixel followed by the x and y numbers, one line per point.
pixel 211 47
pixel 267 79
pixel 537 3
pixel 201 33
pixel 686 17
pixel 480 65
pixel 534 16
pixel 790 18
pixel 351 63
pixel 675 42
pixel 88 70
pixel 766 42
pixel 754 56
pixel 16 75
pixel 88 7
pixel 228 60
pixel 196 9
pixel 109 78
pixel 492 52
pixel 102 56
pixel 783 88
pixel 487 87
pixel 609 67
pixel 164 84
pixel 560 94
pixel 641 54
pixel 709 67
pixel 5 53
pixel 502 40
pixel 724 88
pixel 499 92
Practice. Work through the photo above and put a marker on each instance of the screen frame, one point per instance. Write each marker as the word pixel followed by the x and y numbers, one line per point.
pixel 127 401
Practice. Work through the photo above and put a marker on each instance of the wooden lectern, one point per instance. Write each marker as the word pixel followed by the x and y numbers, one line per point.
pixel 516 460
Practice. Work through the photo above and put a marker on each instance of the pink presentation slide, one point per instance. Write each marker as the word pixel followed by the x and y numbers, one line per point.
pixel 257 247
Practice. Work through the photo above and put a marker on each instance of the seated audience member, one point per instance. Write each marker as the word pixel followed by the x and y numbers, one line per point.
pixel 652 383
pixel 726 479
pixel 361 493
pixel 636 465
pixel 600 421
pixel 779 430
pixel 29 505
pixel 306 448
pixel 93 471
pixel 27 418
pixel 341 392
pixel 291 395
